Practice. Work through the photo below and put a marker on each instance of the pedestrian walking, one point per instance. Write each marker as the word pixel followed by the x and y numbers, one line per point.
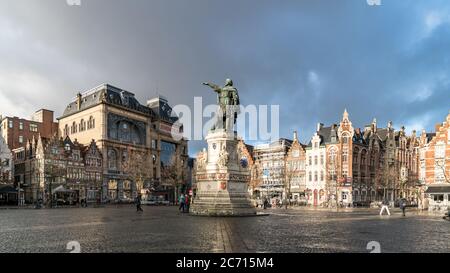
pixel 186 203
pixel 385 206
pixel 181 201
pixel 403 206
pixel 139 203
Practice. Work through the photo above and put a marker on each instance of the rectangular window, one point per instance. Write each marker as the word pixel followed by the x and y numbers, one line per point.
pixel 438 197
pixel 315 160
pixel 33 128
pixel 20 139
pixel 20 125
pixel 11 124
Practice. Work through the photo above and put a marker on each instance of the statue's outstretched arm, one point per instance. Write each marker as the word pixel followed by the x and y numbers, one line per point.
pixel 213 86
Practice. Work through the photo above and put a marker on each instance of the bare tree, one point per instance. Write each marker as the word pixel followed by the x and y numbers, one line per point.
pixel 441 165
pixel 135 167
pixel 54 172
pixel 3 173
pixel 290 172
pixel 256 177
pixel 388 179
pixel 332 183
pixel 174 176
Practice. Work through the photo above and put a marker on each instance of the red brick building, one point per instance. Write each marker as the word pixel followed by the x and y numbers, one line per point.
pixel 370 164
pixel 435 166
pixel 18 131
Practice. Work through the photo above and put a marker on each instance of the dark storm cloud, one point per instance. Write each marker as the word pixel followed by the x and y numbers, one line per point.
pixel 313 58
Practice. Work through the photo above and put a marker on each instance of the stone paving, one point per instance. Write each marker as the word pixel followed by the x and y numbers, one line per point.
pixel 164 229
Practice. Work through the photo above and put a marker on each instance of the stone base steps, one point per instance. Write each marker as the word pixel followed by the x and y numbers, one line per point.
pixel 222 204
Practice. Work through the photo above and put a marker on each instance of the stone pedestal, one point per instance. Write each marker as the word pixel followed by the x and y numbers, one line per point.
pixel 222 180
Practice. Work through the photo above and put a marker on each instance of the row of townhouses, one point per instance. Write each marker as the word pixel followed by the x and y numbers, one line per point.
pixel 352 166
pixel 106 146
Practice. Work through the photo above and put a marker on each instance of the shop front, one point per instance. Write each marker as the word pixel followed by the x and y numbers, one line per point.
pixel 438 197
pixel 8 195
pixel 65 197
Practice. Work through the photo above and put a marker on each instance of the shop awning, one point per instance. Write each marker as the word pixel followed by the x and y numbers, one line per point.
pixel 7 189
pixel 62 190
pixel 438 189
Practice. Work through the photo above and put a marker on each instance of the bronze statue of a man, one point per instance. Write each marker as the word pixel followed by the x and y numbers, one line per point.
pixel 228 101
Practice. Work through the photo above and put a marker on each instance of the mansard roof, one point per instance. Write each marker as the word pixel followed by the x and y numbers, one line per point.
pixel 105 93
pixel 163 110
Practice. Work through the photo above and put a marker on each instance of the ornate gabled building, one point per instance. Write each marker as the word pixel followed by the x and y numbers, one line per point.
pixel 435 166
pixel 46 167
pixel 140 144
pixel 296 169
pixel 362 165
pixel 316 192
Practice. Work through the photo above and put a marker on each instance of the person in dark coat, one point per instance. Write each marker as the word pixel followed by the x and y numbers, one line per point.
pixel 403 206
pixel 138 203
pixel 186 203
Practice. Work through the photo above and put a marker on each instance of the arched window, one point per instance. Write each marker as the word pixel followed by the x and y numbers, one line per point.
pixel 74 128
pixel 112 159
pixel 91 123
pixel 66 130
pixel 82 125
pixel 332 155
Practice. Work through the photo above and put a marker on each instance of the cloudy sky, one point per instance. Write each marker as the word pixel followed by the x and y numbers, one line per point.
pixel 313 58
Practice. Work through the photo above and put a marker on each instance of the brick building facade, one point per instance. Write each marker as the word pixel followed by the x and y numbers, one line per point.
pixel 18 131
pixel 435 166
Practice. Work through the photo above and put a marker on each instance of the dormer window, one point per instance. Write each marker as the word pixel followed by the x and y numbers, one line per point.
pixel 67 147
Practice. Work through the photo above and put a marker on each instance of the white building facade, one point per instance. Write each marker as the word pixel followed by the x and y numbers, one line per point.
pixel 316 192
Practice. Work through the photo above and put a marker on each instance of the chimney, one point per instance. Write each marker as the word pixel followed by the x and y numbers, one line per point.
pixel 295 136
pixel 79 101
pixel 319 126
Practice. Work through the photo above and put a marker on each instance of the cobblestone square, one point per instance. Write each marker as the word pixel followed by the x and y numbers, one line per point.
pixel 163 229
